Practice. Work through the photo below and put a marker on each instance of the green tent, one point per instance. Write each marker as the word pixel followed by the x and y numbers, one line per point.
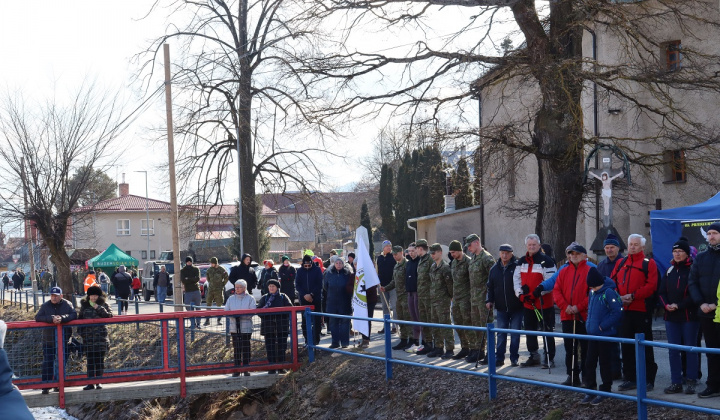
pixel 113 257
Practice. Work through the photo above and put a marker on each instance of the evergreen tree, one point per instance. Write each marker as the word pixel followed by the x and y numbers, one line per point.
pixel 365 222
pixel 385 198
pixel 477 186
pixel 461 184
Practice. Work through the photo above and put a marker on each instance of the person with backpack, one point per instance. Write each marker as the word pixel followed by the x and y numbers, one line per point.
pixel 636 278
pixel 605 312
pixel 681 321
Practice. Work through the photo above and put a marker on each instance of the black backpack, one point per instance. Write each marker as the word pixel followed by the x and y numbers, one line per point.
pixel 652 302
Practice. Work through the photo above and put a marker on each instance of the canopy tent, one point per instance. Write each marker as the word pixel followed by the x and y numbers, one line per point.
pixel 667 226
pixel 113 257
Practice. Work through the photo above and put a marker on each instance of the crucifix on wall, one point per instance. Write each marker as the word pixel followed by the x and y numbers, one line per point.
pixel 606 174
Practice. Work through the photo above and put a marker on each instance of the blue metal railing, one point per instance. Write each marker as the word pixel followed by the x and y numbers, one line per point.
pixel 492 376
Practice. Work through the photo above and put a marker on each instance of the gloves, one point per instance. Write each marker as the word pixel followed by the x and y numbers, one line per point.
pixel 538 291
pixel 525 289
pixel 527 299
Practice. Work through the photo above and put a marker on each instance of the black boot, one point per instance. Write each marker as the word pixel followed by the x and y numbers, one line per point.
pixel 463 353
pixel 473 357
pixel 401 345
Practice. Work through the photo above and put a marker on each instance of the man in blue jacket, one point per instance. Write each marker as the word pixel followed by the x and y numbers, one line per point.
pixel 308 283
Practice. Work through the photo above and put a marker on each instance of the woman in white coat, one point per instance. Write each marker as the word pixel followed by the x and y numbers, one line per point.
pixel 241 326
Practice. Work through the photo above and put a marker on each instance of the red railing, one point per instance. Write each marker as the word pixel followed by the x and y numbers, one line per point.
pixel 154 354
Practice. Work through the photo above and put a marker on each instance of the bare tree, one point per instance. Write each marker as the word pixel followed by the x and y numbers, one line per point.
pixel 236 80
pixel 49 153
pixel 551 69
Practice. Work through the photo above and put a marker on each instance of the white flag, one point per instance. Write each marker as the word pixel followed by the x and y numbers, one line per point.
pixel 365 278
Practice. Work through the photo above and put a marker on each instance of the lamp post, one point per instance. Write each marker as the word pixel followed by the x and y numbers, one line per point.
pixel 147 216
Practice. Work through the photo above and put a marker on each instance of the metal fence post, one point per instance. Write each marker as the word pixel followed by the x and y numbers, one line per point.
pixel 640 376
pixel 388 347
pixel 137 307
pixel 310 341
pixel 492 382
pixel 27 302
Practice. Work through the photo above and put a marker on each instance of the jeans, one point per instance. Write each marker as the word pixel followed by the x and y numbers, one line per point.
pixel 104 287
pixel 682 333
pixel 161 293
pixel 316 321
pixel 414 308
pixel 193 298
pixel 513 321
pixel 340 331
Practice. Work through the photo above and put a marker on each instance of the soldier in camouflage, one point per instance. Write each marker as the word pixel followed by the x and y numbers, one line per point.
pixel 216 276
pixel 460 269
pixel 479 269
pixel 402 311
pixel 441 293
pixel 424 300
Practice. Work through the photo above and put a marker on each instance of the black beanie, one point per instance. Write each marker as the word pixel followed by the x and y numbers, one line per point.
pixel 715 226
pixel 307 259
pixel 683 244
pixel 594 278
pixel 188 259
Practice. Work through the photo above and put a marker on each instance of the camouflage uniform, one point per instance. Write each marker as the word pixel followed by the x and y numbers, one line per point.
pixel 479 270
pixel 441 293
pixel 461 300
pixel 424 300
pixel 402 312
pixel 216 278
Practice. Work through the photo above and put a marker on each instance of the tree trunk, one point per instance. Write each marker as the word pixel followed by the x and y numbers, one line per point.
pixel 61 260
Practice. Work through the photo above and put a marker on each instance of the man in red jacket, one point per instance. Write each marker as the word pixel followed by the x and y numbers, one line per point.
pixel 571 296
pixel 532 269
pixel 636 278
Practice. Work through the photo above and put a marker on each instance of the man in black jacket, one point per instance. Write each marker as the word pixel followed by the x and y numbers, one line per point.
pixel 501 295
pixel 244 271
pixel 55 311
pixel 703 285
pixel 122 281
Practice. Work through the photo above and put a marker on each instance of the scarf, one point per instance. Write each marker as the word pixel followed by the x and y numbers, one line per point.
pixel 270 299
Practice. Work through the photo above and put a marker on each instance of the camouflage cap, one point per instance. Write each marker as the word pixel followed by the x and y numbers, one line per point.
pixel 396 249
pixel 471 238
pixel 435 247
pixel 421 242
pixel 455 246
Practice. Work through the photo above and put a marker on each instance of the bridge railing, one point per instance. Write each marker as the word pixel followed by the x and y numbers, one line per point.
pixel 639 342
pixel 142 348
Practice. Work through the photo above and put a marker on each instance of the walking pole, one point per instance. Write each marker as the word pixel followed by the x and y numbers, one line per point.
pixel 572 368
pixel 540 317
pixel 482 340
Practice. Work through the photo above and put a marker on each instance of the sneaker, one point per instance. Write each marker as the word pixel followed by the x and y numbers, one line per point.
pixel 709 393
pixel 412 349
pixel 627 386
pixel 598 400
pixel 449 355
pixel 207 322
pixel 88 387
pixel 690 387
pixel 463 353
pixel 98 386
pixel 587 400
pixel 533 360
pixel 674 389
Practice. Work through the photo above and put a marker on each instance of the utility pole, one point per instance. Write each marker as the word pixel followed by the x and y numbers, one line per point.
pixel 147 216
pixel 177 284
pixel 28 227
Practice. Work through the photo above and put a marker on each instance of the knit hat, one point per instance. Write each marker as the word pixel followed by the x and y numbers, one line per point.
pixel 471 238
pixel 715 226
pixel 455 246
pixel 506 247
pixel 611 240
pixel 188 259
pixel 213 260
pixel 396 249
pixel 307 259
pixel 683 244
pixel 547 249
pixel 94 290
pixel 436 247
pixel 594 278
pixel 285 258
pixel 275 282
pixel 386 243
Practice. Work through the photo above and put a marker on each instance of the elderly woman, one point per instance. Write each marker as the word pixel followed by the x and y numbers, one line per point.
pixel 338 286
pixel 95 337
pixel 240 325
pixel 275 326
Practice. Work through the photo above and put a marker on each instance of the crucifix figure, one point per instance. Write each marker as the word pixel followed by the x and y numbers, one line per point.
pixel 606 175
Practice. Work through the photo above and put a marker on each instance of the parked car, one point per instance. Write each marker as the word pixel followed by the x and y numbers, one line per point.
pixel 203 280
pixel 148 276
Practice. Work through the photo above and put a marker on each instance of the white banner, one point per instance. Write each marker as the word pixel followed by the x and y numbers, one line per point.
pixel 365 278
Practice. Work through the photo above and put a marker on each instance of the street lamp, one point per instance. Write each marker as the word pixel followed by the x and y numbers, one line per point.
pixel 147 216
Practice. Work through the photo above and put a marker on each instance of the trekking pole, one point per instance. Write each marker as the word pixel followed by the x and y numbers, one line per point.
pixel 574 352
pixel 542 323
pixel 482 340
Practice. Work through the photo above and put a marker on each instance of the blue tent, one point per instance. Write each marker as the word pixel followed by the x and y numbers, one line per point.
pixel 666 226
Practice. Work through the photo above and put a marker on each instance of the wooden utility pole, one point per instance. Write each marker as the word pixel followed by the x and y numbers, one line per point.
pixel 177 284
pixel 28 228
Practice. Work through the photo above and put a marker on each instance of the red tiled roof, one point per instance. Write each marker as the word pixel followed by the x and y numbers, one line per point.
pixel 126 203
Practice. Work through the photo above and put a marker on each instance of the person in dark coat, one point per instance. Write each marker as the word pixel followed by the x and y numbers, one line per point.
pixel 287 275
pixel 122 281
pixel 501 296
pixel 244 271
pixel 338 284
pixel 309 286
pixel 6 282
pixel 55 311
pixel 267 273
pixel 18 278
pixel 95 337
pixel 12 402
pixel 275 326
